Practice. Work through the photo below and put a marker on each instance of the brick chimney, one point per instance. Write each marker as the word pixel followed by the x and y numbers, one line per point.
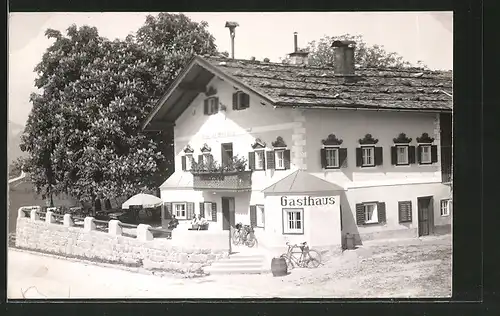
pixel 298 57
pixel 343 57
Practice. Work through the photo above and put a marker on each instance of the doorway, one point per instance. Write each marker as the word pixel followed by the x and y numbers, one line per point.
pixel 228 219
pixel 425 216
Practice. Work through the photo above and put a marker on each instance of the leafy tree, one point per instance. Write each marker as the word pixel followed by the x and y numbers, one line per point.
pixel 321 53
pixel 84 134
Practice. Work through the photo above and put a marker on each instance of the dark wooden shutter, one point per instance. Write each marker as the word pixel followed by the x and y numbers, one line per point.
pixel 411 154
pixel 167 210
pixel 434 153
pixel 343 157
pixel 202 209
pixel 379 156
pixel 251 160
pixel 359 157
pixel 253 215
pixel 270 159
pixel 205 107
pixel 394 155
pixel 286 158
pixel 381 212
pixel 245 101
pixel 323 158
pixel 190 210
pixel 404 211
pixel 214 212
pixel 419 154
pixel 263 160
pixel 235 101
pixel 183 159
pixel 216 105
pixel 200 158
pixel 360 214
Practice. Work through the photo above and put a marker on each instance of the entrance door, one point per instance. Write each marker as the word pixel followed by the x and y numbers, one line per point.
pixel 227 213
pixel 425 216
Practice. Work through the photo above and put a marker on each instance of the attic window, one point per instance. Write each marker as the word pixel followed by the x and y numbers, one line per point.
pixel 241 100
pixel 211 106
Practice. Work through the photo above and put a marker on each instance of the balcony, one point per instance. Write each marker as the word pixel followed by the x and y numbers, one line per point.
pixel 230 176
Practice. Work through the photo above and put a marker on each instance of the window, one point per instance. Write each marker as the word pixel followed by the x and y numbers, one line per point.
pixel 227 153
pixel 206 158
pixel 368 156
pixel 279 159
pixel 402 155
pixel 404 212
pixel 207 207
pixel 332 157
pixel 425 154
pixel 189 161
pixel 446 207
pixel 241 100
pixel 211 106
pixel 259 160
pixel 370 213
pixel 260 216
pixel 179 210
pixel 293 221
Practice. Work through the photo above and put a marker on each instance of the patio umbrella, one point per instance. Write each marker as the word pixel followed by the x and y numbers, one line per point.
pixel 144 200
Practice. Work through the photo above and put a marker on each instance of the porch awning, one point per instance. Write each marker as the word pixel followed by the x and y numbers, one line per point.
pixel 302 181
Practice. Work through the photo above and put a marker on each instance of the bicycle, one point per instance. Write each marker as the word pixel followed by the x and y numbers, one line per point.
pixel 244 234
pixel 309 258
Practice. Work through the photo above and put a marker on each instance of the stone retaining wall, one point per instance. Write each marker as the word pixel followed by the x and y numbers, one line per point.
pixel 184 254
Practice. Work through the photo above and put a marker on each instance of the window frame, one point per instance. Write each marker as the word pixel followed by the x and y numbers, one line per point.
pixel 174 210
pixel 375 211
pixel 189 161
pixel 239 96
pixel 336 150
pixel 448 207
pixel 259 208
pixel 407 152
pixel 276 151
pixel 213 106
pixel 422 146
pixel 372 148
pixel 263 160
pixel 285 221
pixel 400 204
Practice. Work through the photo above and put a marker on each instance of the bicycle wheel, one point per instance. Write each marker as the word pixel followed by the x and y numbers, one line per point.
pixel 313 259
pixel 251 241
pixel 236 237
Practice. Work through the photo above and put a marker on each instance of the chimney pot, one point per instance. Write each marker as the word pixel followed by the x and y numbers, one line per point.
pixel 295 42
pixel 298 57
pixel 344 57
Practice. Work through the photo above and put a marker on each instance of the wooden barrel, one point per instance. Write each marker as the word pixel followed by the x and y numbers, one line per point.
pixel 278 266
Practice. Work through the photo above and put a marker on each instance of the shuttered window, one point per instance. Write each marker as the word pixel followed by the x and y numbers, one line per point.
pixel 211 106
pixel 370 213
pixel 187 161
pixel 241 100
pixel 404 208
pixel 179 209
pixel 206 209
pixel 257 215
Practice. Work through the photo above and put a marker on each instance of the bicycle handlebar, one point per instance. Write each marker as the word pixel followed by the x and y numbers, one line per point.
pixel 302 244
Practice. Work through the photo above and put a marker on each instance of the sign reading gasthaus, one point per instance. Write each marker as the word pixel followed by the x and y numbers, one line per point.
pixel 307 201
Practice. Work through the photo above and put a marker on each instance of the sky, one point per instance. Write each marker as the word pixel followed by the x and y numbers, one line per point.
pixel 425 36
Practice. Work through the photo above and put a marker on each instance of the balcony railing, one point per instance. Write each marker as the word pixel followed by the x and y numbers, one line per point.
pixel 228 181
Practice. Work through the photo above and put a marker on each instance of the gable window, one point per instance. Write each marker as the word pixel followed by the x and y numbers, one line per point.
pixel 293 221
pixel 211 106
pixel 405 212
pixel 446 206
pixel 259 159
pixel 241 100
pixel 370 213
pixel 180 210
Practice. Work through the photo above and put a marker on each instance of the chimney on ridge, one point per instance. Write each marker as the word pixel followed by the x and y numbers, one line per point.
pixel 298 57
pixel 343 57
pixel 232 26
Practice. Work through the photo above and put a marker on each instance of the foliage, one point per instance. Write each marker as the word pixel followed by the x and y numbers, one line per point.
pixel 237 163
pixel 366 56
pixel 84 133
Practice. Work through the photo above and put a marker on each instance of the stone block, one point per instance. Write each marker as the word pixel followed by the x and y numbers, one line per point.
pixel 34 216
pixel 114 228
pixel 143 233
pixel 88 224
pixel 49 217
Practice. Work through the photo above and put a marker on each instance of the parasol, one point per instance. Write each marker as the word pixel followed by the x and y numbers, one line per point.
pixel 144 200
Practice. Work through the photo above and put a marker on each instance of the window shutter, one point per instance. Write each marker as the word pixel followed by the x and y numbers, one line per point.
pixel 214 212
pixel 216 105
pixel 251 160
pixel 378 156
pixel 419 154
pixel 359 157
pixel 167 210
pixel 253 215
pixel 190 210
pixel 183 158
pixel 381 212
pixel 343 157
pixel 246 101
pixel 264 160
pixel 200 158
pixel 434 153
pixel 323 158
pixel 360 214
pixel 394 155
pixel 270 159
pixel 404 211
pixel 411 154
pixel 202 209
pixel 205 107
pixel 286 157
pixel 235 101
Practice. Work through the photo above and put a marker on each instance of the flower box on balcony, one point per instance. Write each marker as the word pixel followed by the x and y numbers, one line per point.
pixel 229 180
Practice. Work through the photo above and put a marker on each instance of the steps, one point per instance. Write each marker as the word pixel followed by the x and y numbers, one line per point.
pixel 241 263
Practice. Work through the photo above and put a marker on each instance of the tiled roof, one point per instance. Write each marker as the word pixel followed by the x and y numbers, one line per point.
pixel 309 86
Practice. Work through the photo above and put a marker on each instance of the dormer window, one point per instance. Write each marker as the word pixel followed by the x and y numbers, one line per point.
pixel 211 106
pixel 241 100
pixel 427 152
